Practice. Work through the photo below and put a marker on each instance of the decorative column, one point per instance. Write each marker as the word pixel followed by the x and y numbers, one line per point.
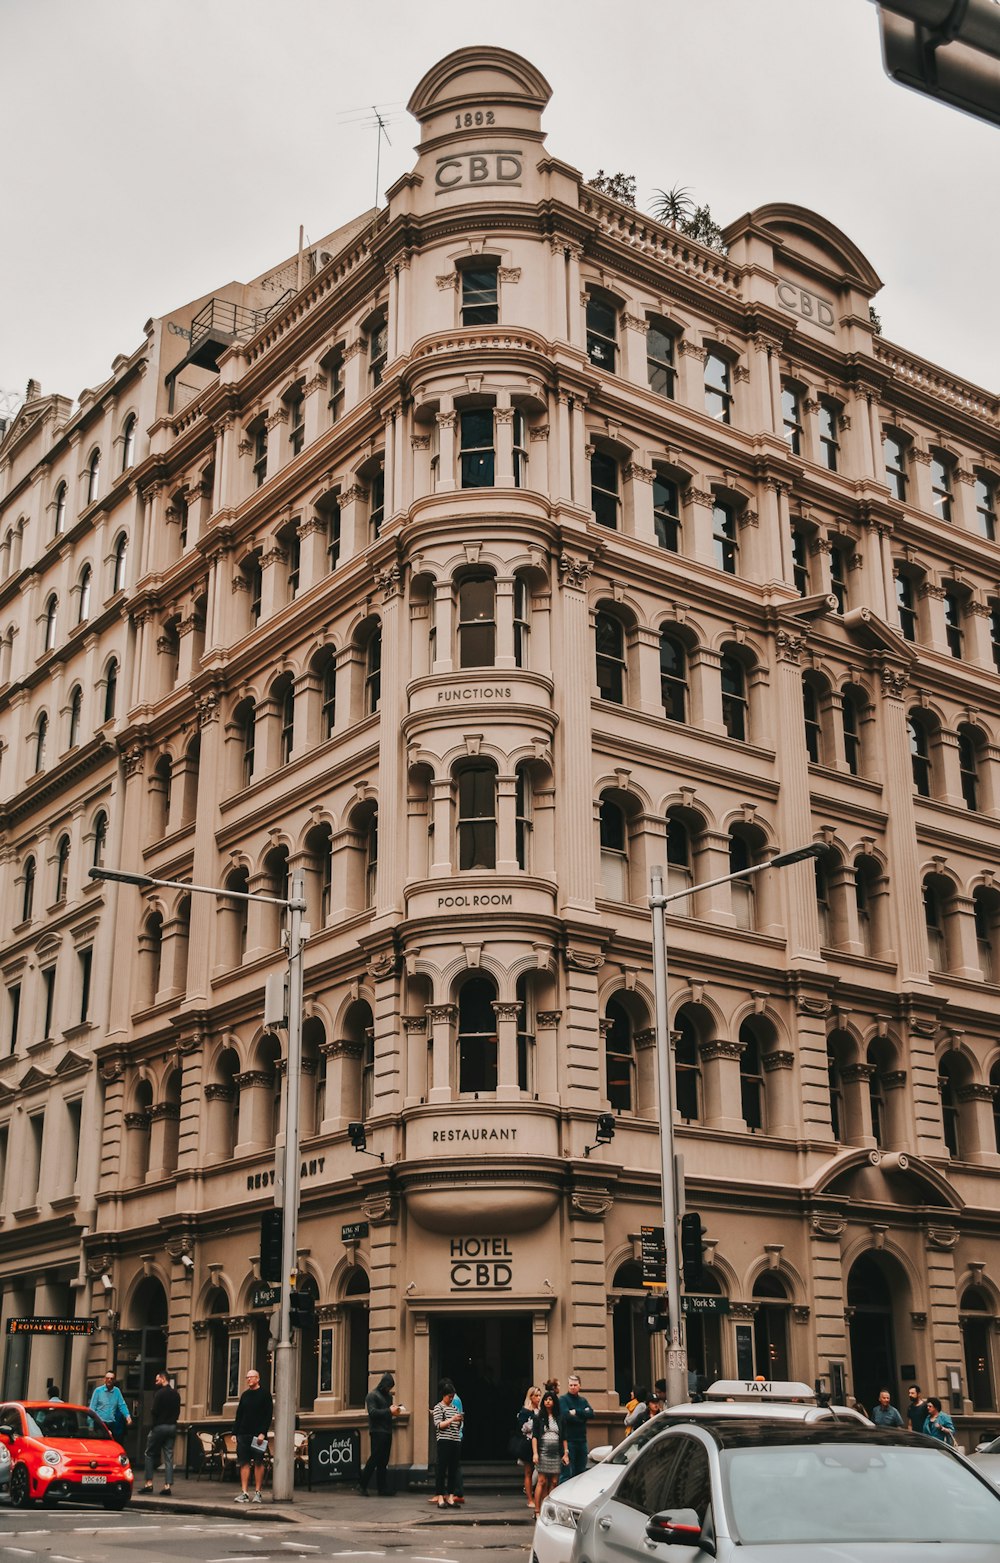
pixel 573 739
pixel 585 1212
pixel 582 1084
pixel 445 421
pixel 506 825
pixel 635 329
pixel 503 427
pixel 828 1288
pixel 645 1073
pixel 978 1133
pixel 799 881
pixel 387 1090
pixel 812 1017
pixel 343 1084
pixel 417 1083
pixel 191 1057
pixel 547 1054
pixel 944 1330
pixel 901 829
pixel 697 523
pixel 442 1018
pixel 507 1086
pixel 721 1082
pixel 637 503
pixel 779 1091
pixel 256 1090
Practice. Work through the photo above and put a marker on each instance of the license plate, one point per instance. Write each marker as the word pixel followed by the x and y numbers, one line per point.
pixel 93 1481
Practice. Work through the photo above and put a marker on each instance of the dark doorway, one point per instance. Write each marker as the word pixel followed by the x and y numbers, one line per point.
pixel 873 1349
pixel 488 1359
pixel 141 1353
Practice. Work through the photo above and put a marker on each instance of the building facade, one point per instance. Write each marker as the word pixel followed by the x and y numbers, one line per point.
pixel 508 544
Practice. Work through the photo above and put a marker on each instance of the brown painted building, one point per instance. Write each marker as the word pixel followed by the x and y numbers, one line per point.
pixel 505 545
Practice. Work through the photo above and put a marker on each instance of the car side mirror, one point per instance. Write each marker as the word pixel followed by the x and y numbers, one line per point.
pixel 6 1431
pixel 601 1452
pixel 681 1528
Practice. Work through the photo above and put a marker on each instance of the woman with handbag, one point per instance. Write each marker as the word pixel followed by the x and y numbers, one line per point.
pixel 520 1443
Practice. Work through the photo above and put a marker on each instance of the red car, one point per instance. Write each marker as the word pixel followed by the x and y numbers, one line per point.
pixel 62 1451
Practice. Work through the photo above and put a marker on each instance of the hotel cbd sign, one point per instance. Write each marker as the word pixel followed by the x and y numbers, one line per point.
pixel 481 1264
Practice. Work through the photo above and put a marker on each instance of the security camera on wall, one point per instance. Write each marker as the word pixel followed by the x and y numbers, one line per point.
pixel 107 1282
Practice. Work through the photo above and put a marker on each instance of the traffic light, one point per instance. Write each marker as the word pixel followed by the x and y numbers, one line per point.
pixel 271 1238
pixel 301 1309
pixel 358 1137
pixel 691 1260
pixel 656 1313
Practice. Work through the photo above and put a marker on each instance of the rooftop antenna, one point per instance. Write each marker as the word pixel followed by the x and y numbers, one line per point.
pixel 377 119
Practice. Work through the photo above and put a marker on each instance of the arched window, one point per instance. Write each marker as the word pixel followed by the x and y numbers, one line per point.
pixel 356 1332
pixel 232 920
pixel 477 810
pixel 523 798
pixel 632 1361
pixel 837 1052
pixel 328 708
pixel 751 1077
pixel 605 489
pixel 60 517
pixel 610 634
pixel 224 1106
pixel 742 891
pixel 770 1327
pixel 986 505
pixel 522 620
pixel 854 709
pixel 813 724
pixel 41 739
pixel 100 839
pixel 735 705
pixel 867 877
pixel 378 347
pixel 373 672
pixel 969 749
pixel 62 870
pixel 673 677
pixel 986 909
pixel 525 1032
pixel 614 851
pixel 285 692
pixel 319 846
pixel 160 783
pixel 83 606
pixel 941 484
pixel 724 543
pixel 619 1055
pixel 477 630
pixel 51 610
pixel 75 715
pixel 246 720
pixel 687 1071
pixel 93 476
pixel 128 441
pixel 477 1037
pixel 920 762
pixel 718 388
pixel 110 689
pixel 150 957
pixel 978 1333
pixel 894 455
pixel 28 890
pixel 120 561
pixel 371 859
pixel 680 872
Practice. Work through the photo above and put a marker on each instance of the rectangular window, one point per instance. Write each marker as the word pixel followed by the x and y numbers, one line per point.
pixel 260 454
pixel 376 513
pixel 724 537
pixel 829 424
pixel 49 990
pixel 520 451
pixel 70 1159
pixel 791 418
pixel 602 334
pixel 895 465
pixel 666 513
pixel 718 388
pixel 477 825
pixel 521 622
pixel 14 1015
pixel 4 1132
pixel 293 544
pixel 800 561
pixel 378 349
pixel 86 959
pixel 604 489
pixel 660 360
pixel 941 486
pixel 480 306
pixel 477 455
pixel 332 533
pixel 995 635
pixel 33 1158
pixel 906 607
pixel 296 423
pixel 335 373
pixel 986 518
pixel 233 1368
pixel 838 575
pixel 953 622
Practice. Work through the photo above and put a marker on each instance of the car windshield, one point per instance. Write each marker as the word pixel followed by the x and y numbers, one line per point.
pixel 65 1422
pixel 855 1492
pixel 637 1441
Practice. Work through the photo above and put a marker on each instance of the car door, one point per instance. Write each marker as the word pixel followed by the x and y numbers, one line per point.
pixel 620 1525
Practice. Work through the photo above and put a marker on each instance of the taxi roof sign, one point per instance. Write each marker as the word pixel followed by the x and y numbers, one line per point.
pixel 759 1389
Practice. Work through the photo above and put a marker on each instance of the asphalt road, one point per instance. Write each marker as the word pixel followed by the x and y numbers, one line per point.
pixel 75 1534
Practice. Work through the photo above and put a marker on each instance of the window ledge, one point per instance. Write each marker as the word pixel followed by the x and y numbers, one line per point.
pixel 65 1202
pixel 26 1213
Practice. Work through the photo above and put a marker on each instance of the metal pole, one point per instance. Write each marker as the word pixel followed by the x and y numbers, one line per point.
pixel 677 1382
pixel 287 1194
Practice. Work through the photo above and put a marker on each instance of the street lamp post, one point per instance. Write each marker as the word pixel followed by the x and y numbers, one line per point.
pixel 677 1386
pixel 286 1180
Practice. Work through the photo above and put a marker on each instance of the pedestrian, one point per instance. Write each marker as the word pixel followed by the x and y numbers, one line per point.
pixel 448 1431
pixel 939 1424
pixel 55 1397
pixel 548 1447
pixel 522 1440
pixel 108 1403
pixel 380 1409
pixel 632 1401
pixel 576 1411
pixel 459 1493
pixel 639 1412
pixel 885 1413
pixel 253 1421
pixel 166 1409
pixel 916 1411
pixel 654 1405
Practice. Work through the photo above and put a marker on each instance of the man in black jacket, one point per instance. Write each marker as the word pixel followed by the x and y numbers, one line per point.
pixel 166 1410
pixel 253 1420
pixel 380 1414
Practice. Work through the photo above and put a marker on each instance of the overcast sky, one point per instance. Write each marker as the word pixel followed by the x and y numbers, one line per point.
pixel 155 149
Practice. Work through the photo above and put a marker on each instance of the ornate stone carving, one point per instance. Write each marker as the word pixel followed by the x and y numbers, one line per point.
pixel 645 1039
pixel 636 323
pixel 167 1110
pixel 342 1048
pixel 112 1069
pixel 801 1314
pixel 448 283
pixel 639 474
pixel 828 1226
pixel 509 273
pixel 414 1023
pixel 135 759
pixel 715 1049
pixel 919 1321
pixel 943 1238
pixel 420 442
pixel 255 1078
pixel 689 349
pixel 747 517
pixel 591 1207
pixel 382 966
pixel 856 1074
pixel 219 1093
pixel 437 1013
pixel 504 1011
pixel 539 432
pixel 790 647
pixel 743 1310
pixel 574 572
pixel 777 1060
pixel 976 1093
pixel 805 1004
pixel 389 581
pixel 583 960
pixel 547 1019
pixel 698 496
pixel 208 709
pixel 379 1209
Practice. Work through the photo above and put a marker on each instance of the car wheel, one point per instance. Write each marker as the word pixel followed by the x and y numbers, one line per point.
pixel 116 1500
pixel 20 1488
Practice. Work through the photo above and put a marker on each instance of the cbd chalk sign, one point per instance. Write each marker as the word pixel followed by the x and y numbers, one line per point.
pixel 333 1456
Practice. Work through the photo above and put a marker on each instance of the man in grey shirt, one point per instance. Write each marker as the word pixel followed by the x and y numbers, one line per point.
pixel 885 1413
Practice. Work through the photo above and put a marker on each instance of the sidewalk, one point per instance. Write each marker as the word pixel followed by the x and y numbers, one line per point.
pixel 338 1507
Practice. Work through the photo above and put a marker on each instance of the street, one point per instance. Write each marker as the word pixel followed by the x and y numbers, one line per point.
pixel 74 1533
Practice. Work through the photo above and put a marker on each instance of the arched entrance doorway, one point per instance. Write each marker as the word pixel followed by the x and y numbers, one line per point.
pixel 875 1283
pixel 141 1353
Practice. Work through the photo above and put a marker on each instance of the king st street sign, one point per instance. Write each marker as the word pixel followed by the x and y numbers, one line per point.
pixel 264 1296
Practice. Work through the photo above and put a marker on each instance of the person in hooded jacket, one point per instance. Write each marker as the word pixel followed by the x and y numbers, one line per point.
pixel 381 1412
